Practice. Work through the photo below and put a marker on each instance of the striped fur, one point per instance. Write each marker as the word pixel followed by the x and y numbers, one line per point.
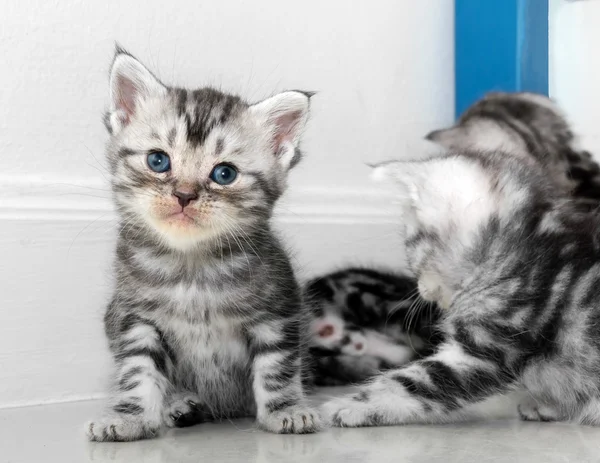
pixel 206 320
pixel 365 321
pixel 516 268
pixel 525 124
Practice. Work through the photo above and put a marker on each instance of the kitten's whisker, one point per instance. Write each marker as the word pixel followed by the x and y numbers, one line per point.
pixel 108 190
pixel 81 231
pixel 99 166
pixel 230 252
pixel 82 194
pixel 220 246
pixel 248 240
pixel 230 223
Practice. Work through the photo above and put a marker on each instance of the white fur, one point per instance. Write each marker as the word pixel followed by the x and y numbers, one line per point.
pixel 382 347
pixel 388 400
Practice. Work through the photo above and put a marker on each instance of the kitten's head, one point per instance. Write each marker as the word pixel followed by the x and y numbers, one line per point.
pixel 532 126
pixel 522 123
pixel 526 124
pixel 455 207
pixel 192 165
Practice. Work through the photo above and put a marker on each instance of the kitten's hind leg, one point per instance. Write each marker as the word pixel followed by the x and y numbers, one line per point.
pixel 185 409
pixel 433 389
pixel 143 364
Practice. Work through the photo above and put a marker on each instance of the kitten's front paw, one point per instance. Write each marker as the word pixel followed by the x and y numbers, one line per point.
pixel 185 410
pixel 120 428
pixel 352 411
pixel 291 420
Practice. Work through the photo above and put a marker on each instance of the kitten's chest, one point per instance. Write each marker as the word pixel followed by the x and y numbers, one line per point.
pixel 213 360
pixel 196 300
pixel 215 340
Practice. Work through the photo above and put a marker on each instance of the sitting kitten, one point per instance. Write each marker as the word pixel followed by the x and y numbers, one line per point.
pixel 365 321
pixel 516 269
pixel 531 125
pixel 206 321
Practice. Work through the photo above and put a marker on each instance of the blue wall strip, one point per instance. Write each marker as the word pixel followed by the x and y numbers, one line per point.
pixel 500 45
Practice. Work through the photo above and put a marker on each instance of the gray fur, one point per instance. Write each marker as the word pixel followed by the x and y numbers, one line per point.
pixel 516 267
pixel 206 320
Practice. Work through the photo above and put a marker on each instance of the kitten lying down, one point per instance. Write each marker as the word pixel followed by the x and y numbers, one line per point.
pixel 206 320
pixel 516 269
pixel 365 321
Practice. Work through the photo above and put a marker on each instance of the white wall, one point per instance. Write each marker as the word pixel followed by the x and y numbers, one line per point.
pixel 575 65
pixel 384 72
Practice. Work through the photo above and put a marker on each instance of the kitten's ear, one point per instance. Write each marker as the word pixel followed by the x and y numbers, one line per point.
pixel 284 116
pixel 444 137
pixel 406 176
pixel 443 192
pixel 130 83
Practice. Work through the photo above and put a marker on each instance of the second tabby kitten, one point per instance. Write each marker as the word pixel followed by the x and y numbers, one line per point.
pixel 515 267
pixel 526 124
pixel 206 320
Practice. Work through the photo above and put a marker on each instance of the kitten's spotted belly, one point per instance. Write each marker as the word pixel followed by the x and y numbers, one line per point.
pixel 214 362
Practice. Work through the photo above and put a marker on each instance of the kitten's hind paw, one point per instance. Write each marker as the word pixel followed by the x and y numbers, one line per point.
pixel 530 410
pixel 291 420
pixel 185 410
pixel 120 428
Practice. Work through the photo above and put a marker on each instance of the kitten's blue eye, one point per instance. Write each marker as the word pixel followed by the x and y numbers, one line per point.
pixel 223 174
pixel 159 161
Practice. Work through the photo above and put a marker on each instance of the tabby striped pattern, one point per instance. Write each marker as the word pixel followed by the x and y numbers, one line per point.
pixel 516 268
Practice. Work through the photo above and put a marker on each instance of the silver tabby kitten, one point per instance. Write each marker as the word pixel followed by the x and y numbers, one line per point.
pixel 526 124
pixel 206 320
pixel 516 268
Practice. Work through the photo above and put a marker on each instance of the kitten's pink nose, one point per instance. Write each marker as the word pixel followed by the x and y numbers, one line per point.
pixel 185 196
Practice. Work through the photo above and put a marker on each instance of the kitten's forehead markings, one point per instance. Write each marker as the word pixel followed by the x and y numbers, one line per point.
pixel 220 145
pixel 204 110
pixel 171 137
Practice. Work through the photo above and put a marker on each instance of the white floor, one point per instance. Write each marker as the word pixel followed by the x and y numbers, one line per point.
pixel 53 433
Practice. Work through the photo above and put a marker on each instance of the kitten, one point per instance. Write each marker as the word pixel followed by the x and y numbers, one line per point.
pixel 531 125
pixel 526 124
pixel 516 268
pixel 365 321
pixel 206 320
